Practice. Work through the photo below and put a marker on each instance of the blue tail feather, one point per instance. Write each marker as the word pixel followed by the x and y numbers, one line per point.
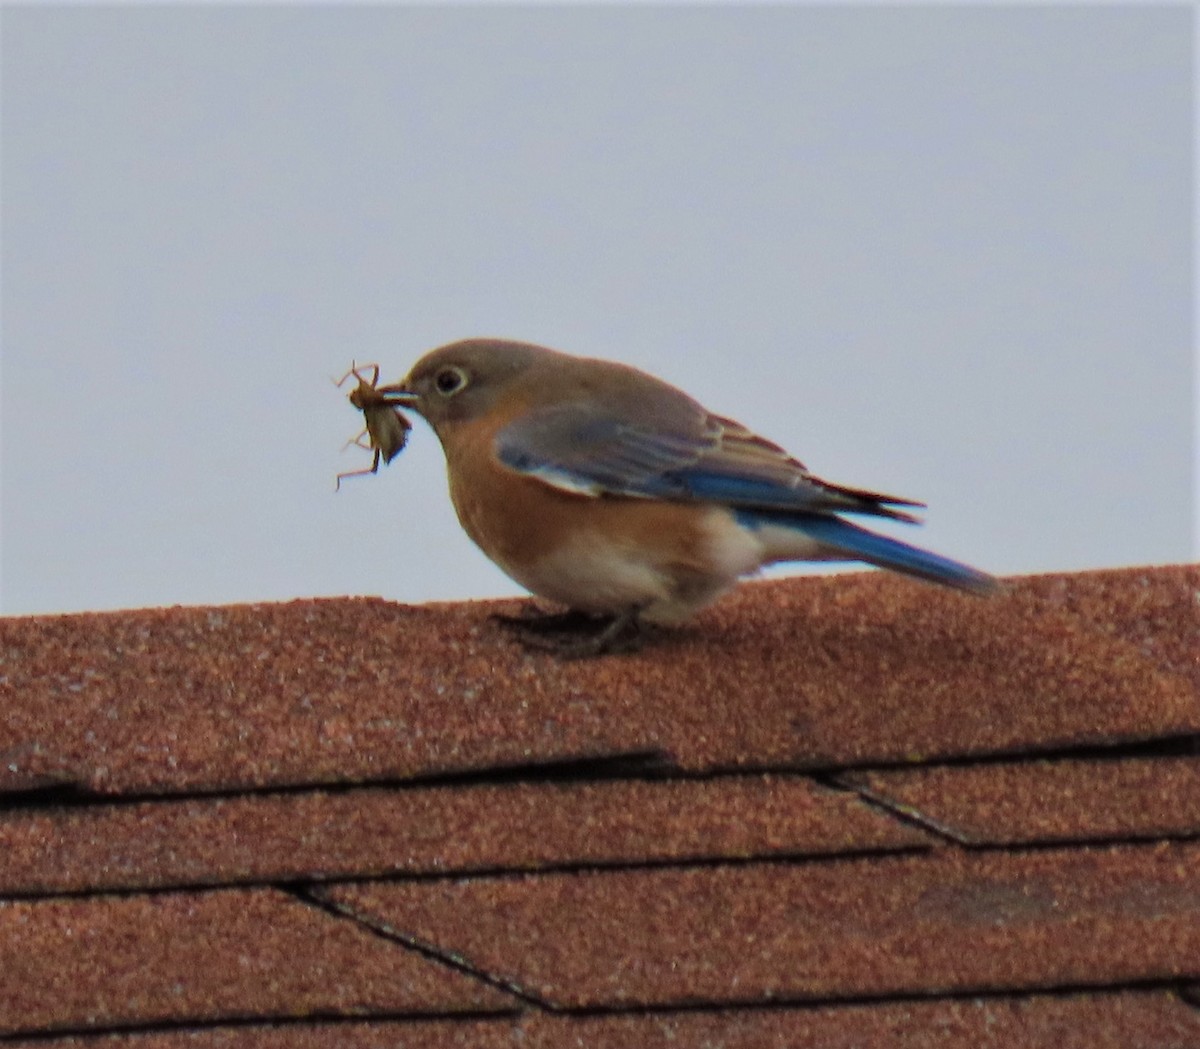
pixel 860 544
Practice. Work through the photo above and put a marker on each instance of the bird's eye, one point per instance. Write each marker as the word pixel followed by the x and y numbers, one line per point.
pixel 450 380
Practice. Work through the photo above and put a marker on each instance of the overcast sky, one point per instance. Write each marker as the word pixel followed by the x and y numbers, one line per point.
pixel 941 251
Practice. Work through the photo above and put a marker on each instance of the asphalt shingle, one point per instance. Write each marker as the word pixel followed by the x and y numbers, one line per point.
pixel 113 961
pixel 822 672
pixel 832 812
pixel 951 921
pixel 1130 1020
pixel 1047 801
pixel 414 830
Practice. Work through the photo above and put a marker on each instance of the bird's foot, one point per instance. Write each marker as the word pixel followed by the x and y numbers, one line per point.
pixel 532 620
pixel 575 634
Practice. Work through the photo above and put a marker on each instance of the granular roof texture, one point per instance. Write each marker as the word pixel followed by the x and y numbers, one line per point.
pixel 838 811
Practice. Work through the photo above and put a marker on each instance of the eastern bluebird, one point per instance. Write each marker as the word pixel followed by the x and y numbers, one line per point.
pixel 606 490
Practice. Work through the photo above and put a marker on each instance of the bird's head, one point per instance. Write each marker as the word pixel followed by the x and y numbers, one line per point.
pixel 467 380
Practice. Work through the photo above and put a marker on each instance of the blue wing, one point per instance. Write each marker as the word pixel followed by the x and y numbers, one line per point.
pixel 686 454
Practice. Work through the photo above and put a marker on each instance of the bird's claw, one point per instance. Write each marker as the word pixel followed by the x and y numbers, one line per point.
pixel 574 634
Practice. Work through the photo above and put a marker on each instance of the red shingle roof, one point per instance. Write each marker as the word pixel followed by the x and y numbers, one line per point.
pixel 841 811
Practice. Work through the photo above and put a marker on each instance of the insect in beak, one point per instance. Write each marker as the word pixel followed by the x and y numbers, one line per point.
pixel 386 430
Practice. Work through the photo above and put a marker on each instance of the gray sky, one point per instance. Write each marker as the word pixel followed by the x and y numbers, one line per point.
pixel 945 252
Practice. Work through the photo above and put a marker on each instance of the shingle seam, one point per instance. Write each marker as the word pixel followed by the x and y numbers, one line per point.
pixel 634 766
pixel 1184 744
pixel 101 894
pixel 790 859
pixel 1132 839
pixel 309 890
pixel 911 814
pixel 300 883
pixel 639 766
pixel 962 994
pixel 69 797
pixel 1186 994
pixel 906 814
pixel 301 887
pixel 72 797
pixel 312 896
pixel 98 1033
pixel 1189 994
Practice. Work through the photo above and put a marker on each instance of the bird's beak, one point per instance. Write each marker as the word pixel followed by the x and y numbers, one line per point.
pixel 398 394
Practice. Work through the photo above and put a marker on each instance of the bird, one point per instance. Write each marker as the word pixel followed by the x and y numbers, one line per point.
pixel 615 495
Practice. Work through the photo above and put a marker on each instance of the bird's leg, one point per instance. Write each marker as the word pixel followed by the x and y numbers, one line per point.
pixel 623 634
pixel 577 635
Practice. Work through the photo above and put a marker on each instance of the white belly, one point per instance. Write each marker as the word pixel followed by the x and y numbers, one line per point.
pixel 594 573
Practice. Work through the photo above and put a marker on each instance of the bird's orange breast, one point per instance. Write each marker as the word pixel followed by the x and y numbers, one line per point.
pixel 521 522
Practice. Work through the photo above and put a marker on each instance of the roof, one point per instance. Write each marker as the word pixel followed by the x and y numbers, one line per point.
pixel 838 811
